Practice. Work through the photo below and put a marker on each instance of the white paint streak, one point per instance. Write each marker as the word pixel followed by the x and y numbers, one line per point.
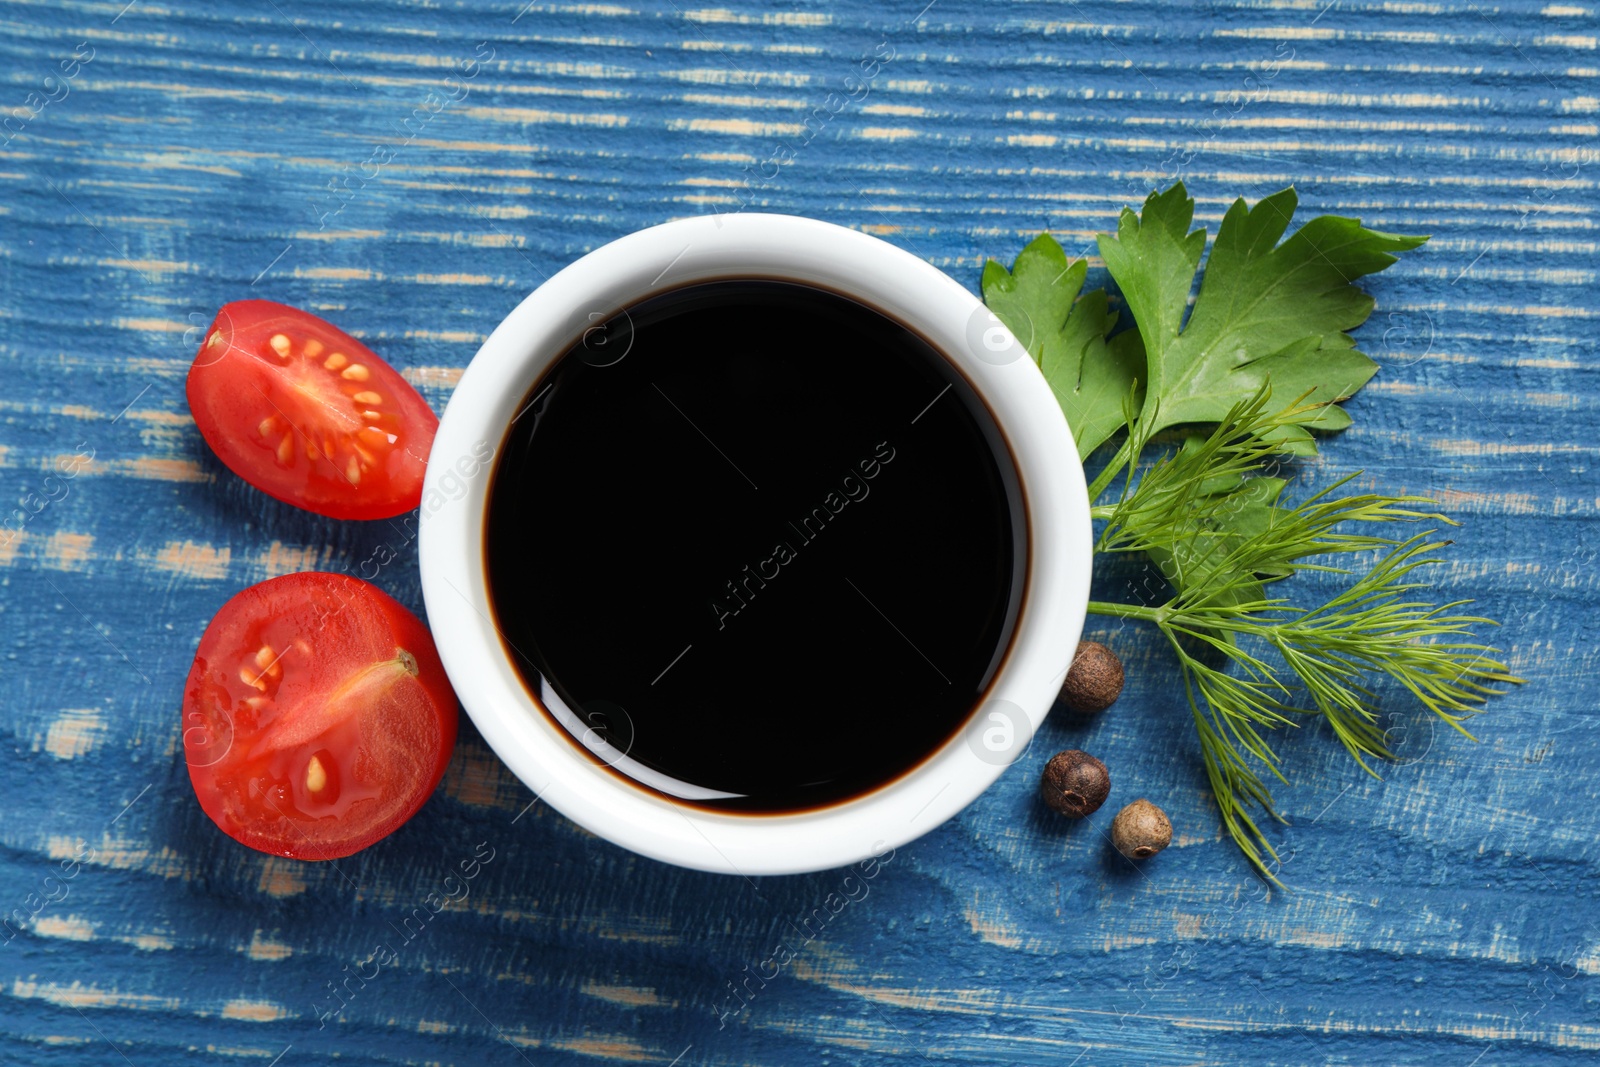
pixel 74 732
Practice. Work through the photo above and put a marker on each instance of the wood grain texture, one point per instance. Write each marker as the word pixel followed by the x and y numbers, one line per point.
pixel 1447 915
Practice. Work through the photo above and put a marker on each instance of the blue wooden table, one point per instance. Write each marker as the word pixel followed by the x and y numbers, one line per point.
pixel 410 170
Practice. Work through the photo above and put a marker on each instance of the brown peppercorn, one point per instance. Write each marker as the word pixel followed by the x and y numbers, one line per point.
pixel 1074 783
pixel 1095 679
pixel 1140 830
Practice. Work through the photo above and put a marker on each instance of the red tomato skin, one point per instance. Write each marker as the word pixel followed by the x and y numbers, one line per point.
pixel 239 383
pixel 235 773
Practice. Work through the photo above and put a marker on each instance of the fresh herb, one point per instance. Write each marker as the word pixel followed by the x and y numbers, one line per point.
pixel 1090 375
pixel 1260 362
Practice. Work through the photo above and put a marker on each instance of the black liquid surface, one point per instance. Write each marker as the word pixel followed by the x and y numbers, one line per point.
pixel 758 539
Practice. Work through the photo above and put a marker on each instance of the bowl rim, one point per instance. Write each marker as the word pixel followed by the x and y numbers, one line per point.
pixel 701 248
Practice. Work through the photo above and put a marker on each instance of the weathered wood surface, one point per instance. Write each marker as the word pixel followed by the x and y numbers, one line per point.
pixel 208 151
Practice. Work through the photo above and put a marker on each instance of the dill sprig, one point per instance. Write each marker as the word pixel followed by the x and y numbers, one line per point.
pixel 1207 512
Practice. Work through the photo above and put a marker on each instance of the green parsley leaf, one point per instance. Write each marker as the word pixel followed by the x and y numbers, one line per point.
pixel 1266 314
pixel 1091 376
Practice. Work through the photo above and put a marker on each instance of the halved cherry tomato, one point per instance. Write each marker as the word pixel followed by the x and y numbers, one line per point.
pixel 306 413
pixel 317 716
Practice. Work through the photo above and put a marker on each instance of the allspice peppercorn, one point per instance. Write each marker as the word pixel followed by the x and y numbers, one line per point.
pixel 1140 830
pixel 1074 783
pixel 1095 679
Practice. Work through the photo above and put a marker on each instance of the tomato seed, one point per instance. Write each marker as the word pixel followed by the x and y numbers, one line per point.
pixel 316 776
pixel 267 660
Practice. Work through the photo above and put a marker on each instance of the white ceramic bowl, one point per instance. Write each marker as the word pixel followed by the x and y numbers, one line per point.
pixel 545 756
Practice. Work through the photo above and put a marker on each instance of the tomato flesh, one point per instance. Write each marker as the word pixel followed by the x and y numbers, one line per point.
pixel 306 413
pixel 317 716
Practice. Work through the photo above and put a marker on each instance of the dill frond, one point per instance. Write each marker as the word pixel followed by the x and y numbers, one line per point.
pixel 1209 514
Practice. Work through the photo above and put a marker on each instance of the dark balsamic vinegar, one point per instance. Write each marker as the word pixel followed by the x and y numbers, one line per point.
pixel 756 545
